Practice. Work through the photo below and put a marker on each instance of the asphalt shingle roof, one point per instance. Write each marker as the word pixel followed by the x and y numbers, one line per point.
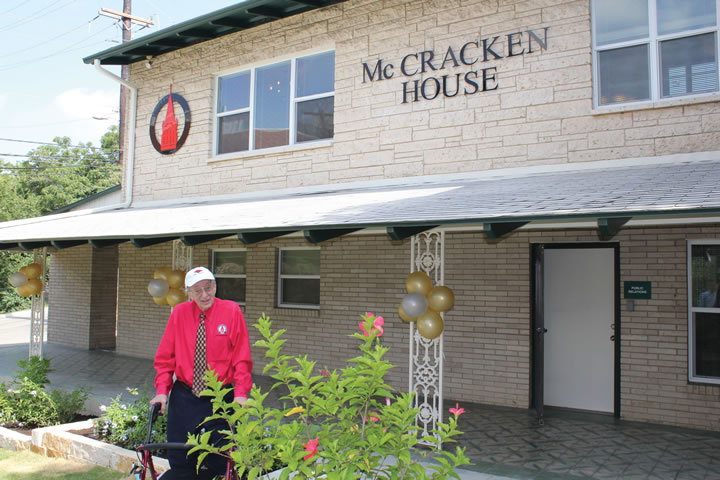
pixel 677 190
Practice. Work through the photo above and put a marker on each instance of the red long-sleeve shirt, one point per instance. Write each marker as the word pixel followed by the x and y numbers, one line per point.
pixel 228 346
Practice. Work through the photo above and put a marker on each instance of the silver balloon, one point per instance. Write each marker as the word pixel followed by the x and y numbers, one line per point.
pixel 414 304
pixel 18 279
pixel 158 287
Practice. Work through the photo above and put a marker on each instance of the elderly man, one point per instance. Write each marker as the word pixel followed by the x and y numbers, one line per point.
pixel 203 333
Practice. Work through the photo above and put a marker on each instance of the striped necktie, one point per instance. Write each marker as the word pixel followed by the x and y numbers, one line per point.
pixel 198 383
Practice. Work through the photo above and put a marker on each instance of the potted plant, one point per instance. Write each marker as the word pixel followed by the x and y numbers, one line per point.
pixel 342 424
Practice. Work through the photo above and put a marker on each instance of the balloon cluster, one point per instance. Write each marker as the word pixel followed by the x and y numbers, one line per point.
pixel 423 304
pixel 166 287
pixel 27 280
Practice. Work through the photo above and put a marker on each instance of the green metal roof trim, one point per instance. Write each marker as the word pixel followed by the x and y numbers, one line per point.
pixel 85 200
pixel 216 24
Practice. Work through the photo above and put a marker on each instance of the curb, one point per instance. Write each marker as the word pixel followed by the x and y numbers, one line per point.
pixel 58 441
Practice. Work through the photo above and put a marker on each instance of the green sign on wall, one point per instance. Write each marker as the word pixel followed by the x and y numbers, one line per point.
pixel 640 290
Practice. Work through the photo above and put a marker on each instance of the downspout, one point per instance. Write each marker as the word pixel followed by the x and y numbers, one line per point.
pixel 130 157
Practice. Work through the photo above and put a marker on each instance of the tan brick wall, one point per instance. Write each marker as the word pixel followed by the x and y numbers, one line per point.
pixel 487 334
pixel 541 112
pixel 140 322
pixel 103 301
pixel 70 288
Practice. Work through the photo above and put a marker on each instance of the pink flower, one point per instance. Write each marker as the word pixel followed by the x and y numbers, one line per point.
pixel 311 448
pixel 387 401
pixel 457 410
pixel 324 373
pixel 372 418
pixel 377 325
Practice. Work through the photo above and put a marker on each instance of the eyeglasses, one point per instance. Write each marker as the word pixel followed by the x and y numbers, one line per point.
pixel 198 291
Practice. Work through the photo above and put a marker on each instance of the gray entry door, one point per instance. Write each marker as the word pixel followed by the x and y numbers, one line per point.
pixel 579 316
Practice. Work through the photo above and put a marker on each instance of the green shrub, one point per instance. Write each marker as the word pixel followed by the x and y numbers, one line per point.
pixel 125 425
pixel 26 403
pixel 68 404
pixel 35 369
pixel 338 425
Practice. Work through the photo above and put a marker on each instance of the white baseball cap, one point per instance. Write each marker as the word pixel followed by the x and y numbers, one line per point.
pixel 197 274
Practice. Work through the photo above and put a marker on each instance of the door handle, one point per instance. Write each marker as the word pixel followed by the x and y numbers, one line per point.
pixel 541 330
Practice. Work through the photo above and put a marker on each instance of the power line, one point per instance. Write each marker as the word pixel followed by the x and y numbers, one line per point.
pixel 13 8
pixel 52 167
pixel 66 49
pixel 35 16
pixel 45 42
pixel 58 145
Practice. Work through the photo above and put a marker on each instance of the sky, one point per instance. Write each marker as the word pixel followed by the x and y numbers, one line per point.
pixel 46 90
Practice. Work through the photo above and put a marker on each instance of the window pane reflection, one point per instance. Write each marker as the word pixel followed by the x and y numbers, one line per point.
pixel 689 65
pixel 676 16
pixel 233 133
pixel 301 291
pixel 624 75
pixel 231 289
pixel 315 119
pixel 707 339
pixel 315 74
pixel 620 20
pixel 272 105
pixel 234 92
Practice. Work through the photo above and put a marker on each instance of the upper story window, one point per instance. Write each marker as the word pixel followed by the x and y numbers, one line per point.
pixel 704 311
pixel 284 103
pixel 646 50
pixel 228 266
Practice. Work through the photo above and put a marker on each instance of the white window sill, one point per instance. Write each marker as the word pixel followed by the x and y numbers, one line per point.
pixel 271 151
pixel 663 103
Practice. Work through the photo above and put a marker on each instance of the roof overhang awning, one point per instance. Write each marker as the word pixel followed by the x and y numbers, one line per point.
pixel 235 18
pixel 498 202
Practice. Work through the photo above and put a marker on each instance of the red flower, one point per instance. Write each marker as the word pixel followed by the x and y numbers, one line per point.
pixel 457 410
pixel 324 373
pixel 311 448
pixel 372 418
pixel 377 325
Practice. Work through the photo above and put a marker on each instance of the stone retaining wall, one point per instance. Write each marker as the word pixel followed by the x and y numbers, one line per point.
pixel 59 441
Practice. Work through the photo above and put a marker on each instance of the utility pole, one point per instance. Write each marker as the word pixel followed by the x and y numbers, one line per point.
pixel 127 20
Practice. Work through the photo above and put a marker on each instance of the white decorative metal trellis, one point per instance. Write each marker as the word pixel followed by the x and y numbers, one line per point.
pixel 37 311
pixel 182 256
pixel 427 254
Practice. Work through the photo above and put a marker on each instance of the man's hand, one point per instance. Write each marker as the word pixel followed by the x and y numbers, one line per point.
pixel 162 400
pixel 241 400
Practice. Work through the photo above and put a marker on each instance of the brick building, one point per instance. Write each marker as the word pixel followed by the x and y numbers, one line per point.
pixel 568 154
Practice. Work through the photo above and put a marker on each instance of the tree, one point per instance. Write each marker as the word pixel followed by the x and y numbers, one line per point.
pixel 53 176
pixel 63 173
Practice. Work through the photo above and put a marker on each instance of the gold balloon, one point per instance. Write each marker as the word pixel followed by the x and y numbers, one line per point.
pixel 175 296
pixel 405 317
pixel 160 300
pixel 176 279
pixel 418 282
pixel 23 291
pixel 162 272
pixel 33 270
pixel 430 324
pixel 34 286
pixel 441 299
pixel 24 271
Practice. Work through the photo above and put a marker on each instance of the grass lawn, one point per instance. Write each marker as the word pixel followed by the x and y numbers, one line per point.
pixel 25 465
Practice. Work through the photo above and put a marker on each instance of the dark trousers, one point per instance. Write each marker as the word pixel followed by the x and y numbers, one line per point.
pixel 185 414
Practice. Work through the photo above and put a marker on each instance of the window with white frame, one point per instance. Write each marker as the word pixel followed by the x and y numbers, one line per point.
pixel 284 103
pixel 228 266
pixel 704 311
pixel 299 277
pixel 647 50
